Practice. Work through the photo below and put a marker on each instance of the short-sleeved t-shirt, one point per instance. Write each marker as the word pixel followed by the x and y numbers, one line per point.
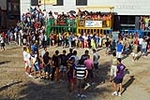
pixel 88 63
pixel 120 72
pixel 26 56
pixel 56 59
pixel 63 58
pixel 80 71
pixel 46 59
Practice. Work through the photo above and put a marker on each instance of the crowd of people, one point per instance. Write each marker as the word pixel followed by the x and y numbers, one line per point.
pixel 145 22
pixel 31 34
pixel 68 66
pixel 61 67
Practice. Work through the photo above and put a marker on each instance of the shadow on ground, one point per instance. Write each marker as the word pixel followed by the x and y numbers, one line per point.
pixel 9 85
pixel 35 89
pixel 128 83
pixel 4 62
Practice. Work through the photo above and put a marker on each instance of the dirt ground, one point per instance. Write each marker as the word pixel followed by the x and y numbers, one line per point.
pixel 15 85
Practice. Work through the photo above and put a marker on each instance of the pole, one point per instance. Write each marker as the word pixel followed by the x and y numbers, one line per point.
pixel 44 5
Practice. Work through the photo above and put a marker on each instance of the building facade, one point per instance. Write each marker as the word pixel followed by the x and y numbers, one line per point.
pixel 9 13
pixel 128 12
pixel 3 13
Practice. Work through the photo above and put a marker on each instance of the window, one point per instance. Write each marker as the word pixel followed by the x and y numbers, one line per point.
pixel 59 3
pixel 34 2
pixel 81 2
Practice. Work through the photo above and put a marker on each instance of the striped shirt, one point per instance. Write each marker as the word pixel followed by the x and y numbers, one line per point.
pixel 80 71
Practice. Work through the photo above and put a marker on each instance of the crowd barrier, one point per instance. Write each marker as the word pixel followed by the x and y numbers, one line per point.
pixel 59 26
pixel 141 33
pixel 77 26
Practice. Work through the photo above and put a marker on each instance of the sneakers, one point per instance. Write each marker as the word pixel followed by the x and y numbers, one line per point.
pixel 30 75
pixel 87 85
pixel 26 73
pixel 119 94
pixel 78 95
pixel 114 93
pixel 83 96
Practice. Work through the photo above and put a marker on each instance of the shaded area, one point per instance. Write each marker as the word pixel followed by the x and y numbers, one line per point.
pixel 38 89
pixel 128 83
pixel 55 91
pixel 9 85
pixel 101 75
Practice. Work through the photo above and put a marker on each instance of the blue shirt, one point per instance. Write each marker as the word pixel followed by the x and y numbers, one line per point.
pixel 119 47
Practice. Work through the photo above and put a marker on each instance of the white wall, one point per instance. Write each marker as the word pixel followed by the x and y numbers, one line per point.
pixel 24 5
pixel 3 4
pixel 122 7
pixel 125 7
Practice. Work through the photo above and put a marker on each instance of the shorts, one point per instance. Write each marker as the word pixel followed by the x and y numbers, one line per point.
pixel 81 83
pixel 72 80
pixel 113 70
pixel 47 69
pixel 36 67
pixel 63 68
pixel 27 64
pixel 143 50
pixel 134 54
pixel 118 80
pixel 118 55
pixel 2 44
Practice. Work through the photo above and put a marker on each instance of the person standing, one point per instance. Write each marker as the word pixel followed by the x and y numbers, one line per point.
pixel 36 64
pixel 84 56
pixel 47 62
pixel 95 59
pixel 2 42
pixel 63 66
pixel 89 65
pixel 70 71
pixel 107 43
pixel 27 61
pixel 144 48
pixel 119 50
pixel 81 74
pixel 113 69
pixel 134 51
pixel 75 57
pixel 56 61
pixel 119 78
pixel 70 53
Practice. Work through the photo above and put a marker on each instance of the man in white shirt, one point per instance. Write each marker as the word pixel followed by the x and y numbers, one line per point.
pixel 27 61
pixel 140 43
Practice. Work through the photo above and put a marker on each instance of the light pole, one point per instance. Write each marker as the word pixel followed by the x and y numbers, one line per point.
pixel 44 6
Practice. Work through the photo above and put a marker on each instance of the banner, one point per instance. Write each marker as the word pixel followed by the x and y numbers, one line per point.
pixel 48 2
pixel 91 23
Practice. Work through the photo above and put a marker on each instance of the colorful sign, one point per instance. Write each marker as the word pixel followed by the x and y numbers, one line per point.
pixel 48 2
pixel 91 23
